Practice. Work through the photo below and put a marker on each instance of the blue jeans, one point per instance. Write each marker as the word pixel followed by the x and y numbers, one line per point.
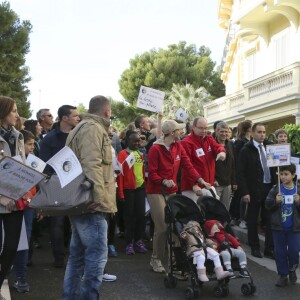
pixel 88 257
pixel 21 259
pixel 287 247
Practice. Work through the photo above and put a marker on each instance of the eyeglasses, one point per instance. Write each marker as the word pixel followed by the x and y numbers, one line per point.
pixel 48 116
pixel 202 128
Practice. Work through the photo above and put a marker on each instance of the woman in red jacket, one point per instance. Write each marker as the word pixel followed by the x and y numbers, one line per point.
pixel 164 159
pixel 131 189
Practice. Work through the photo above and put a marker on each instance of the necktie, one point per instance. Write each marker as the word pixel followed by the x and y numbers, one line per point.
pixel 267 176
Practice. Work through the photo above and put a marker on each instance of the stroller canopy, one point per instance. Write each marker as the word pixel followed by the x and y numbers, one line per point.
pixel 213 209
pixel 183 209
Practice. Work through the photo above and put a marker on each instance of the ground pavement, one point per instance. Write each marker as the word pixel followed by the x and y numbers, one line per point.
pixel 136 281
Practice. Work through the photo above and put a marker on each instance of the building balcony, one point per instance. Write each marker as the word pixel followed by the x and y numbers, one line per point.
pixel 265 98
pixel 255 16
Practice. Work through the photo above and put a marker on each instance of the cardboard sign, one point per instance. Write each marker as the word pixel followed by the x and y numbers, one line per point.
pixel 296 161
pixel 66 165
pixel 278 155
pixel 150 99
pixel 16 179
pixel 35 163
pixel 181 115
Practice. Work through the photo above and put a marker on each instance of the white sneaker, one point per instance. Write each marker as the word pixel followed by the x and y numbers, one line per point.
pixel 109 277
pixel 243 225
pixel 156 265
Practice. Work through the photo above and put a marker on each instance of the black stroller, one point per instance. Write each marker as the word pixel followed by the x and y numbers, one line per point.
pixel 178 211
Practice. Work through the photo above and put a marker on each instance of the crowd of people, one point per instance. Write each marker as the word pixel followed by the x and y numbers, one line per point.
pixel 147 162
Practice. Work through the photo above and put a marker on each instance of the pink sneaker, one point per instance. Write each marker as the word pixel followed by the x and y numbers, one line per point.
pixel 140 247
pixel 129 249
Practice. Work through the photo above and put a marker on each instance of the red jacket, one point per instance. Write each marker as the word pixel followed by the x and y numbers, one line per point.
pixel 220 237
pixel 164 164
pixel 126 181
pixel 205 164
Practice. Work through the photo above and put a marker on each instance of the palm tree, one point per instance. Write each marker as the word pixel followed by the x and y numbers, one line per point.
pixel 188 98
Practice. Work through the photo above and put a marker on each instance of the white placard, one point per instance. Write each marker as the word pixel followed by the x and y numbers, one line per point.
pixel 35 163
pixel 150 99
pixel 16 179
pixel 278 155
pixel 181 114
pixel 66 165
pixel 130 160
pixel 296 161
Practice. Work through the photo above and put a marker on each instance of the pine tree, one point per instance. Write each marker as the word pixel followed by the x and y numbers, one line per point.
pixel 14 45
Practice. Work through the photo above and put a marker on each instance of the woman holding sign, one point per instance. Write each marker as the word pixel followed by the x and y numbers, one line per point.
pixel 11 144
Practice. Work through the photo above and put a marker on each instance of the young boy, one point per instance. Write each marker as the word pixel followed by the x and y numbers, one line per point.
pixel 281 136
pixel 285 224
pixel 21 260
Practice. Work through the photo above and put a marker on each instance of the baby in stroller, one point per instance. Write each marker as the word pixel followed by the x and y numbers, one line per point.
pixel 228 246
pixel 196 246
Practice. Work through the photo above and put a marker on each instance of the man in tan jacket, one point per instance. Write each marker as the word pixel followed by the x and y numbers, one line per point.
pixel 88 249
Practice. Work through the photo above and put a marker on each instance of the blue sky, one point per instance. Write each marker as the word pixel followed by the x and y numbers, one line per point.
pixel 79 49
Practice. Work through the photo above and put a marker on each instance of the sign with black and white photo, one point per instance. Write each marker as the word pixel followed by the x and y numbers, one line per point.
pixel 16 179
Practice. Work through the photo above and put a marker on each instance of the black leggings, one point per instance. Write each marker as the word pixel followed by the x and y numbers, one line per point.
pixel 134 214
pixel 12 224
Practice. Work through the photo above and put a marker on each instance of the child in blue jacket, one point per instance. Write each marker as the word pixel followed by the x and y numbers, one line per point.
pixel 284 206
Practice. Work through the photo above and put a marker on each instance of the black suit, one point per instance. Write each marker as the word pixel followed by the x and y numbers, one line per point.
pixel 250 177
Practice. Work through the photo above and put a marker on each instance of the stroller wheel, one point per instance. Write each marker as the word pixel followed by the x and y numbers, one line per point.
pixel 218 291
pixel 170 281
pixel 189 293
pixel 253 288
pixel 197 292
pixel 225 291
pixel 246 289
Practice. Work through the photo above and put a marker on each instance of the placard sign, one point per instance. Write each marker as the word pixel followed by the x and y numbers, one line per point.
pixel 296 161
pixel 150 99
pixel 278 155
pixel 66 165
pixel 16 179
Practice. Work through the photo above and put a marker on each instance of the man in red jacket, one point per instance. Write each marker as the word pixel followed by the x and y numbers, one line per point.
pixel 164 159
pixel 203 151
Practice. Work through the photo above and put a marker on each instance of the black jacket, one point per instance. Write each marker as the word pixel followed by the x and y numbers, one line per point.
pixel 225 170
pixel 250 174
pixel 275 211
pixel 52 143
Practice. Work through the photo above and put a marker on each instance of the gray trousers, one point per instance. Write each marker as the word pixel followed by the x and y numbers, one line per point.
pixel 240 254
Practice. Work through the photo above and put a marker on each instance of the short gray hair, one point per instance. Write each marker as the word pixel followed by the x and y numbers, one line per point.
pixel 41 113
pixel 223 125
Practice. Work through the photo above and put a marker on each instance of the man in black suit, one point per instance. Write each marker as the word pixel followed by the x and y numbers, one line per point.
pixel 255 181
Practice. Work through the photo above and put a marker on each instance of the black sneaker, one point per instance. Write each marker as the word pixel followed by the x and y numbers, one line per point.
pixel 244 273
pixel 282 281
pixel 231 274
pixel 292 277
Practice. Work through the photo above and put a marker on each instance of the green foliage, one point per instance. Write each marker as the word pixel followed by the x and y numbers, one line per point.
pixel 293 137
pixel 188 98
pixel 81 108
pixel 179 64
pixel 14 45
pixel 123 114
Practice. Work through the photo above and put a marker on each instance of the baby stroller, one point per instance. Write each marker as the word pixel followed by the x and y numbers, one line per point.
pixel 179 211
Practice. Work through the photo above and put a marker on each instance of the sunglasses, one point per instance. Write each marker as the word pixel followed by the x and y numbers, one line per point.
pixel 48 116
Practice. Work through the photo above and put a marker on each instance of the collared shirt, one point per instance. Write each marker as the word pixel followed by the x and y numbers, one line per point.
pixel 256 144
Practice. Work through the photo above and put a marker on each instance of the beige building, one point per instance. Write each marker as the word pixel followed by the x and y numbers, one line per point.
pixel 261 63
